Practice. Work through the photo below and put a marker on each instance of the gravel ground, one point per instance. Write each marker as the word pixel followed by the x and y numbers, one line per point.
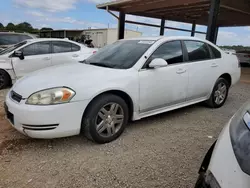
pixel 161 151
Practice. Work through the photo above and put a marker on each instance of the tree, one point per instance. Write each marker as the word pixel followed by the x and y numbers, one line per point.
pixel 1 26
pixel 46 29
pixel 24 26
pixel 11 27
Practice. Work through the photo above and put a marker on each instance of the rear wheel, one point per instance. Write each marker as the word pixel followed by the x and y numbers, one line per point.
pixel 105 118
pixel 4 79
pixel 219 94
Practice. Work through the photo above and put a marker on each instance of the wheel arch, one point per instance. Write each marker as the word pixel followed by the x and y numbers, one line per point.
pixel 227 77
pixel 125 96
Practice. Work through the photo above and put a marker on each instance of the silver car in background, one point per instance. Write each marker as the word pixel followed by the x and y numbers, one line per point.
pixel 244 57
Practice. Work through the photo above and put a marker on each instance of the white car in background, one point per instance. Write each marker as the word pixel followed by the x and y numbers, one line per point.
pixel 127 80
pixel 227 163
pixel 244 57
pixel 34 54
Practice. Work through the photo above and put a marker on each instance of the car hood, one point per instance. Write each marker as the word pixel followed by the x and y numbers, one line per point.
pixel 70 75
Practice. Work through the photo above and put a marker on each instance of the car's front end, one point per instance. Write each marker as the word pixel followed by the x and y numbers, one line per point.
pixel 229 165
pixel 45 114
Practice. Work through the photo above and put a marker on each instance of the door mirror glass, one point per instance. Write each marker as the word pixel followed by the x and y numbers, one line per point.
pixel 158 62
pixel 18 54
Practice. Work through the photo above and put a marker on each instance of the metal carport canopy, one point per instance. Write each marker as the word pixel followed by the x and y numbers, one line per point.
pixel 213 13
pixel 231 12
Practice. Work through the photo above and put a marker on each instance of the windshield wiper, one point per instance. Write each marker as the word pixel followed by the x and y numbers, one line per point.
pixel 102 65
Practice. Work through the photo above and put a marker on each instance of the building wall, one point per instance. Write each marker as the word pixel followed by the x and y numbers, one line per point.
pixel 99 36
pixel 113 35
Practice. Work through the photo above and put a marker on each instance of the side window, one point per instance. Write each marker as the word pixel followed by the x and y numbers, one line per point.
pixel 61 47
pixel 38 48
pixel 170 52
pixel 216 53
pixel 75 48
pixel 197 51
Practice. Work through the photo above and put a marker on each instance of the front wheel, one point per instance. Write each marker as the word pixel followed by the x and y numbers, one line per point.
pixel 219 94
pixel 105 118
pixel 4 79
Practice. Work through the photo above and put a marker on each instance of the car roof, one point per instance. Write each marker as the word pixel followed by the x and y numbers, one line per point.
pixel 46 39
pixel 168 38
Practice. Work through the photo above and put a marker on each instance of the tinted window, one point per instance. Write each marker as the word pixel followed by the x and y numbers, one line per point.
pixel 12 48
pixel 216 53
pixel 170 52
pixel 197 51
pixel 61 47
pixel 121 54
pixel 38 48
pixel 75 47
pixel 9 39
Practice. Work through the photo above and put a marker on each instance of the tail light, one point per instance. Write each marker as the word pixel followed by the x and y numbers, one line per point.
pixel 94 52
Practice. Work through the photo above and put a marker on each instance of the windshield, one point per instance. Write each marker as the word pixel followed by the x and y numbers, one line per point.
pixel 12 48
pixel 121 55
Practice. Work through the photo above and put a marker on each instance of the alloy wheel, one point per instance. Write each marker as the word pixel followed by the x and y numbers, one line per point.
pixel 109 120
pixel 220 94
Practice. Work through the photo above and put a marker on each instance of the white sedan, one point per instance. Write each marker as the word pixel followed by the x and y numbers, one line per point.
pixel 127 80
pixel 226 165
pixel 34 54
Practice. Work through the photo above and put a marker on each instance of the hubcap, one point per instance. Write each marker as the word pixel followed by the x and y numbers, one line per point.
pixel 220 93
pixel 109 120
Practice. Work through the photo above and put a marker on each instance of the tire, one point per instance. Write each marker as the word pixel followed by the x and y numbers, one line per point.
pixel 4 79
pixel 100 116
pixel 212 102
pixel 200 183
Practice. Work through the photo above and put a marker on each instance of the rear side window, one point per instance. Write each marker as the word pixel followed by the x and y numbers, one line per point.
pixel 9 39
pixel 197 51
pixel 216 53
pixel 62 47
pixel 38 48
pixel 75 48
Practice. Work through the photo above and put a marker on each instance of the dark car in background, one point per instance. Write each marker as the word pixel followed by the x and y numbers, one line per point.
pixel 9 38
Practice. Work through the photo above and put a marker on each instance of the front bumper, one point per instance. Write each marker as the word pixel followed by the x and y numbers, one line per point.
pixel 46 122
pixel 224 165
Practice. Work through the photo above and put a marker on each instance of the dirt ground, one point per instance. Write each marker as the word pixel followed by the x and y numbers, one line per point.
pixel 161 151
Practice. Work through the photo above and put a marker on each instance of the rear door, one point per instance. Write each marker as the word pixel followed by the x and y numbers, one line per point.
pixel 203 69
pixel 36 56
pixel 65 52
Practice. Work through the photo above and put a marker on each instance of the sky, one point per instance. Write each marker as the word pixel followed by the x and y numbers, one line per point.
pixel 82 14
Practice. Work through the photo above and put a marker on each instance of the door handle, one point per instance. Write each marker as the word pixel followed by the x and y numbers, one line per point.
pixel 181 71
pixel 46 58
pixel 214 65
pixel 75 55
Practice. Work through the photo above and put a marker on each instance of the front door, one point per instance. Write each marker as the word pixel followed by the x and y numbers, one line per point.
pixel 36 56
pixel 165 86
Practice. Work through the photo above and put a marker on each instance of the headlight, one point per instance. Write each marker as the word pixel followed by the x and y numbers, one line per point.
pixel 240 137
pixel 51 96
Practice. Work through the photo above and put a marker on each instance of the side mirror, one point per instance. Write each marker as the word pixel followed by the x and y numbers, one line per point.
pixel 18 54
pixel 157 63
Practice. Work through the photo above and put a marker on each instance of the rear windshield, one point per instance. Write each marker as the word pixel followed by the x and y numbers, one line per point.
pixel 10 39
